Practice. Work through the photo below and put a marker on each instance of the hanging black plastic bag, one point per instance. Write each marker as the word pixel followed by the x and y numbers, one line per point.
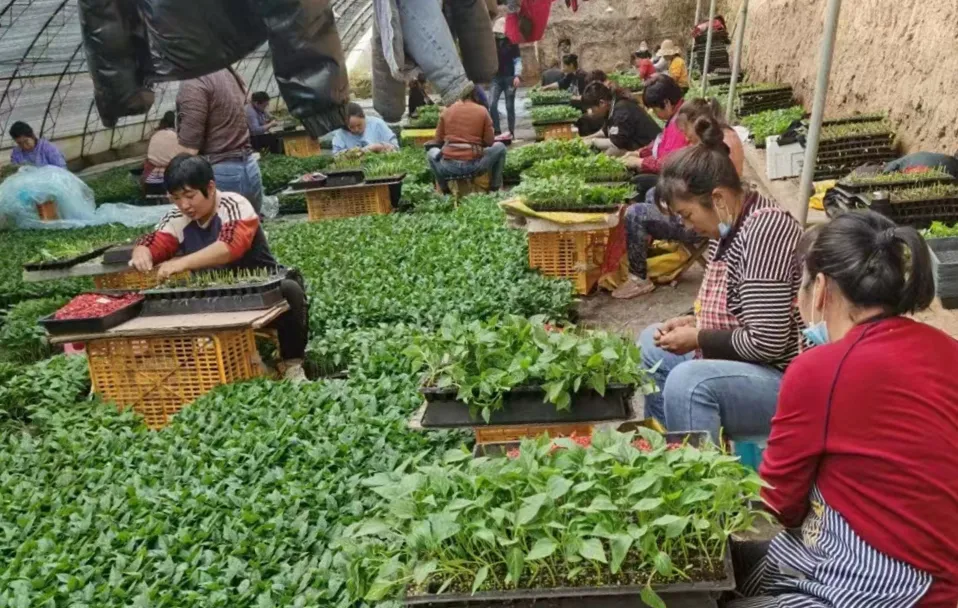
pixel 116 52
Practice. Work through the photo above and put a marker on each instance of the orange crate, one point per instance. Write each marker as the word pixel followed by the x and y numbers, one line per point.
pixel 576 256
pixel 471 185
pixel 556 131
pixel 301 145
pixel 348 201
pixel 158 376
pixel 131 280
pixel 505 434
pixel 47 211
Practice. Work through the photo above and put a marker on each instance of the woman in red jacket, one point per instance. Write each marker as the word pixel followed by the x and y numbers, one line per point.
pixel 861 461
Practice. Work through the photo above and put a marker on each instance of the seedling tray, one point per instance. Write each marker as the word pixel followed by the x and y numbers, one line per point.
pixel 545 208
pixel 848 188
pixel 944 253
pixel 679 595
pixel 119 254
pixel 921 213
pixel 198 300
pixel 527 405
pixel 60 327
pixel 853 119
pixel 67 262
pixel 307 184
pixel 337 179
pixel 388 179
pixel 695 438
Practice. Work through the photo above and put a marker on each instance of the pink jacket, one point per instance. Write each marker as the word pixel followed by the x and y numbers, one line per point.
pixel 672 140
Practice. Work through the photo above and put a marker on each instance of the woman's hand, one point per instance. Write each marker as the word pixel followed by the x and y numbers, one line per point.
pixel 679 341
pixel 168 269
pixel 686 321
pixel 142 259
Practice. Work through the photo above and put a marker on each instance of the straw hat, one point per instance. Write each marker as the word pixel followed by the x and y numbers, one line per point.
pixel 499 26
pixel 668 49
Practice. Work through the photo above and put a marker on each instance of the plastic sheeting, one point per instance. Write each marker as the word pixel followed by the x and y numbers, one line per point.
pixel 21 193
pixel 182 39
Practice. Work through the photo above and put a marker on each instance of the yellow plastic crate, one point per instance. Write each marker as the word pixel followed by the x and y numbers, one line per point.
pixel 418 137
pixel 348 201
pixel 301 145
pixel 556 131
pixel 576 256
pixel 471 185
pixel 158 376
pixel 505 434
pixel 131 280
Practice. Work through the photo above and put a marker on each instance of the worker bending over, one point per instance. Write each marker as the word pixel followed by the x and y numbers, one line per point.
pixel 210 229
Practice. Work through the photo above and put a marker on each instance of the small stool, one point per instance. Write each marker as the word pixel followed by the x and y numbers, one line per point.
pixel 469 184
pixel 695 255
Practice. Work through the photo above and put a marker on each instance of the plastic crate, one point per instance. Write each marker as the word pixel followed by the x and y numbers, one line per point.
pixel 132 280
pixel 944 257
pixel 418 137
pixel 158 376
pixel 577 256
pixel 561 130
pixel 47 211
pixel 469 185
pixel 350 201
pixel 504 434
pixel 301 145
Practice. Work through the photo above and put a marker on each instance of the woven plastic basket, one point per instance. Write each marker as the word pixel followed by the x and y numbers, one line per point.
pixel 351 201
pixel 418 137
pixel 576 256
pixel 158 376
pixel 300 145
pixel 556 131
pixel 501 434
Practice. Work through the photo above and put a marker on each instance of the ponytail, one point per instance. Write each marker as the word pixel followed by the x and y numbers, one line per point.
pixel 874 262
pixel 696 171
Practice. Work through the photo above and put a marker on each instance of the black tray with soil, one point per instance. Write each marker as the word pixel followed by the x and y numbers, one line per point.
pixel 849 186
pixel 527 405
pixel 259 295
pixel 67 262
pixel 316 180
pixel 61 327
pixel 695 439
pixel 702 594
pixel 386 179
pixel 344 177
pixel 119 254
pixel 916 213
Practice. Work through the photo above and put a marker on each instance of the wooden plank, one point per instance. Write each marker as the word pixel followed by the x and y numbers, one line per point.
pixel 92 268
pixel 180 324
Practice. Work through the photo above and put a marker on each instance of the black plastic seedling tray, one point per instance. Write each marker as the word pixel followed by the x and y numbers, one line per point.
pixel 527 405
pixel 853 119
pixel 679 595
pixel 387 179
pixel 165 301
pixel 308 184
pixel 944 252
pixel 60 327
pixel 120 254
pixel 850 188
pixel 67 262
pixel 695 439
pixel 337 179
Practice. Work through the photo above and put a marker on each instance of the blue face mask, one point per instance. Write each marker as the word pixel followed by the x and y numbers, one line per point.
pixel 816 333
pixel 724 229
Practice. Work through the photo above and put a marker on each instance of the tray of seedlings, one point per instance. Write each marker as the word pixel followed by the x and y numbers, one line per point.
pixel 427 117
pixel 761 97
pixel 510 449
pixel 843 195
pixel 552 115
pixel 385 171
pixel 855 118
pixel 308 181
pixel 93 313
pixel 592 169
pixel 629 81
pixel 623 520
pixel 917 207
pixel 516 370
pixel 538 97
pixel 60 255
pixel 570 193
pixel 769 123
pixel 522 158
pixel 216 291
pixel 943 244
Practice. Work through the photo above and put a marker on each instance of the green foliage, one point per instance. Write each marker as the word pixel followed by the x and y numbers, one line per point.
pixel 411 161
pixel 8 170
pixel 925 193
pixel 278 170
pixel 895 177
pixel 855 130
pixel 538 97
pixel 627 80
pixel 553 114
pixel 619 512
pixel 939 230
pixel 564 193
pixel 416 268
pixel 521 158
pixel 348 160
pixel 771 123
pixel 21 339
pixel 221 278
pixel 423 198
pixel 114 186
pixel 484 359
pixel 31 394
pixel 65 250
pixel 426 118
pixel 593 168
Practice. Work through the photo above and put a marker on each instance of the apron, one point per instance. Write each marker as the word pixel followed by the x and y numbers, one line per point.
pixel 827 565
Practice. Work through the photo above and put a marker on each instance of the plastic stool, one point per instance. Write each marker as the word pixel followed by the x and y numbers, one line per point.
pixel 750 450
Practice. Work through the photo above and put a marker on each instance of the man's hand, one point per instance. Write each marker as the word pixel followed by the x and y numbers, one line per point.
pixel 516 82
pixel 686 321
pixel 375 148
pixel 271 125
pixel 388 148
pixel 679 341
pixel 168 269
pixel 142 259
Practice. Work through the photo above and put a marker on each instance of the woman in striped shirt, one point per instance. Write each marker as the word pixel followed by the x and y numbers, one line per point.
pixel 722 366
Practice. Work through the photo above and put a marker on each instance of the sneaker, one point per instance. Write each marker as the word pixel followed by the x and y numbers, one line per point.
pixel 505 137
pixel 294 372
pixel 633 288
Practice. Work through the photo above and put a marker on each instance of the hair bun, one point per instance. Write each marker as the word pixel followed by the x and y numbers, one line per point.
pixel 710 133
pixel 885 238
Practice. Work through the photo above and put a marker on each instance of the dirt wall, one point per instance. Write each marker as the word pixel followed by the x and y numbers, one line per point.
pixel 604 32
pixel 900 58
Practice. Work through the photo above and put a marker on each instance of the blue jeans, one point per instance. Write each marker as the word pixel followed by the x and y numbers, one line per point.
pixel 241 176
pixel 428 40
pixel 709 394
pixel 500 85
pixel 493 161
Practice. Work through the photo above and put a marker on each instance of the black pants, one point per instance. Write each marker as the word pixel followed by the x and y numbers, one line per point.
pixel 644 182
pixel 268 142
pixel 292 326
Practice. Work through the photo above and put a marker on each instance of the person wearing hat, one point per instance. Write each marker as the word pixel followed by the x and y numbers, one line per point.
pixel 506 80
pixel 642 62
pixel 676 65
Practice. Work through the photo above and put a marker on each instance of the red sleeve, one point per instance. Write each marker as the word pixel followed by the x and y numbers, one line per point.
pixel 238 236
pixel 646 151
pixel 162 245
pixel 795 445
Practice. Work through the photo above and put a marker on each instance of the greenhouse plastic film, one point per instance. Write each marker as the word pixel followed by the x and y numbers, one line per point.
pixel 21 193
pixel 115 50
